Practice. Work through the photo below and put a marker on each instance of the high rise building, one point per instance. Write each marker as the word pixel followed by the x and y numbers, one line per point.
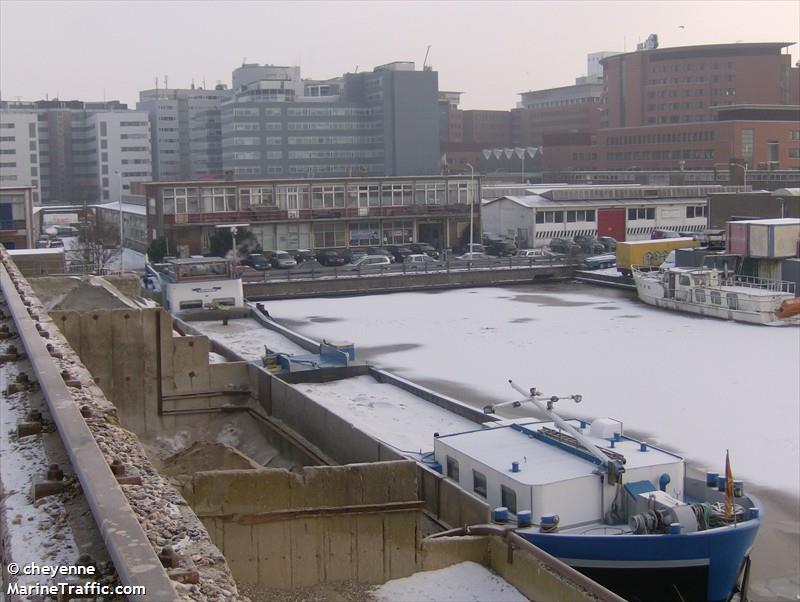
pixel 383 122
pixel 185 131
pixel 74 151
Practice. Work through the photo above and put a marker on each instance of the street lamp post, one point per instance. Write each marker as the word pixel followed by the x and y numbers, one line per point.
pixel 121 229
pixel 471 207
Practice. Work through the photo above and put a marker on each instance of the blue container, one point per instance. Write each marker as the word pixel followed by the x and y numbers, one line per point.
pixel 711 479
pixel 720 483
pixel 675 528
pixel 753 513
pixel 738 488
pixel 643 447
pixel 617 437
pixel 515 467
pixel 437 467
pixel 548 519
pixel 524 518
pixel 500 515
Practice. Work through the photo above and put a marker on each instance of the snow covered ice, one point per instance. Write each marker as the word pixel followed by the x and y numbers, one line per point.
pixel 695 385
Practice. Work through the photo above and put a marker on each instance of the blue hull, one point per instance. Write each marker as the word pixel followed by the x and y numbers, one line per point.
pixel 691 566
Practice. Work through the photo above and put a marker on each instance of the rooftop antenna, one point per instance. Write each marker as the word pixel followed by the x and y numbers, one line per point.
pixel 204 82
pixel 425 60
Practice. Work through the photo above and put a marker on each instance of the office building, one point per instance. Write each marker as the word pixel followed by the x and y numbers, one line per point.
pixel 73 151
pixel 315 213
pixel 185 129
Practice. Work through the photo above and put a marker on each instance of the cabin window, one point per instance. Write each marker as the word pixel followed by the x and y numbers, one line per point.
pixel 225 301
pixel 700 296
pixel 716 298
pixel 508 499
pixel 733 300
pixel 452 468
pixel 683 280
pixel 193 304
pixel 479 483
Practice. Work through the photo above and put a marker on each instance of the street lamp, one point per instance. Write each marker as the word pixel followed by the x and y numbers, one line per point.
pixel 471 196
pixel 121 227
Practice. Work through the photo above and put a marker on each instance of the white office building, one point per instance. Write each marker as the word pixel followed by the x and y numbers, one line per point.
pixel 19 150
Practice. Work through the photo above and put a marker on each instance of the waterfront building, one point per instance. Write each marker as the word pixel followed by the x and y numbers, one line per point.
pixel 535 214
pixel 16 217
pixel 315 213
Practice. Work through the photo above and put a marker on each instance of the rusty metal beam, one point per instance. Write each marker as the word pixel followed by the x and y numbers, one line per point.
pixel 134 558
pixel 318 512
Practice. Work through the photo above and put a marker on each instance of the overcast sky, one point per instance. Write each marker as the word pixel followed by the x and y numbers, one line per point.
pixel 489 50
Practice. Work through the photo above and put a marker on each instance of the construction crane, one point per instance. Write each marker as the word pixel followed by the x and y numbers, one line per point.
pixel 425 66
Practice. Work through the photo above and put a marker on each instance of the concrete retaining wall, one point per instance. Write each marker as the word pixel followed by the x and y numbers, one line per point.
pixel 286 530
pixel 343 285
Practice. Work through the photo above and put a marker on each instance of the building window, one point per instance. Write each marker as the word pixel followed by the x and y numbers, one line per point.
pixel 367 195
pixel 773 151
pixel 508 498
pixel 549 217
pixel 637 213
pixel 695 211
pixel 219 200
pixel 452 468
pixel 329 234
pixel 327 196
pixel 479 483
pixel 397 194
pixel 458 193
pixel 700 295
pixel 716 298
pixel 747 146
pixel 365 234
pixel 257 197
pixel 794 153
pixel 398 233
pixel 293 197
pixel 580 215
pixel 180 200
pixel 431 193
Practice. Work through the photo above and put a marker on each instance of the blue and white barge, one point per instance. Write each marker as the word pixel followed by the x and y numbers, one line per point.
pixel 619 510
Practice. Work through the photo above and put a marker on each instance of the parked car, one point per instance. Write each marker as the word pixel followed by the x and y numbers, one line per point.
pixel 329 257
pixel 371 262
pixel 476 248
pixel 352 255
pixel 257 261
pixel 424 248
pixel 380 251
pixel 564 246
pixel 609 242
pixel 589 244
pixel 659 233
pixel 282 260
pixel 539 252
pixel 420 261
pixel 399 253
pixel 248 273
pixel 474 256
pixel 303 255
pixel 598 262
pixel 501 247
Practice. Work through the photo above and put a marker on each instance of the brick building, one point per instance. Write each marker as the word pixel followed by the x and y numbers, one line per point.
pixel 16 217
pixel 696 107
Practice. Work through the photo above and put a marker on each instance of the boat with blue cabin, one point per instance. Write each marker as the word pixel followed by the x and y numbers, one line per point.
pixel 619 510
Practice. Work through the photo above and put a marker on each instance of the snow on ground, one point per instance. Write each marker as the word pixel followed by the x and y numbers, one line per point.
pixel 386 412
pixel 248 337
pixel 132 261
pixel 692 384
pixel 464 582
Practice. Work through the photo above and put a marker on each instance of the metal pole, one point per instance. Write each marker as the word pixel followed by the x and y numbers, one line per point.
pixel 471 208
pixel 523 165
pixel 121 231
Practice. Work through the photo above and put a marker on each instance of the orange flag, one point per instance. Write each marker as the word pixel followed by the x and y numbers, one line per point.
pixel 728 486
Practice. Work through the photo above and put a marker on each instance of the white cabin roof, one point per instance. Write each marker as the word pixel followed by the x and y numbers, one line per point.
pixel 541 462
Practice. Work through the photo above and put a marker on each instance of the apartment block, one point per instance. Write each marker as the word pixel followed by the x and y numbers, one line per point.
pixel 74 151
pixel 19 150
pixel 186 134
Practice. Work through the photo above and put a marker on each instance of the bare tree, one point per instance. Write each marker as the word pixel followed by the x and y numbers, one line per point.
pixel 98 246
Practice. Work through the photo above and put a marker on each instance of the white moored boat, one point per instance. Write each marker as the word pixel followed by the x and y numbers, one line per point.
pixel 711 292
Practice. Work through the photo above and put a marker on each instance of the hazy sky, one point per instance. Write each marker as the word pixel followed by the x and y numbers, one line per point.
pixel 489 50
